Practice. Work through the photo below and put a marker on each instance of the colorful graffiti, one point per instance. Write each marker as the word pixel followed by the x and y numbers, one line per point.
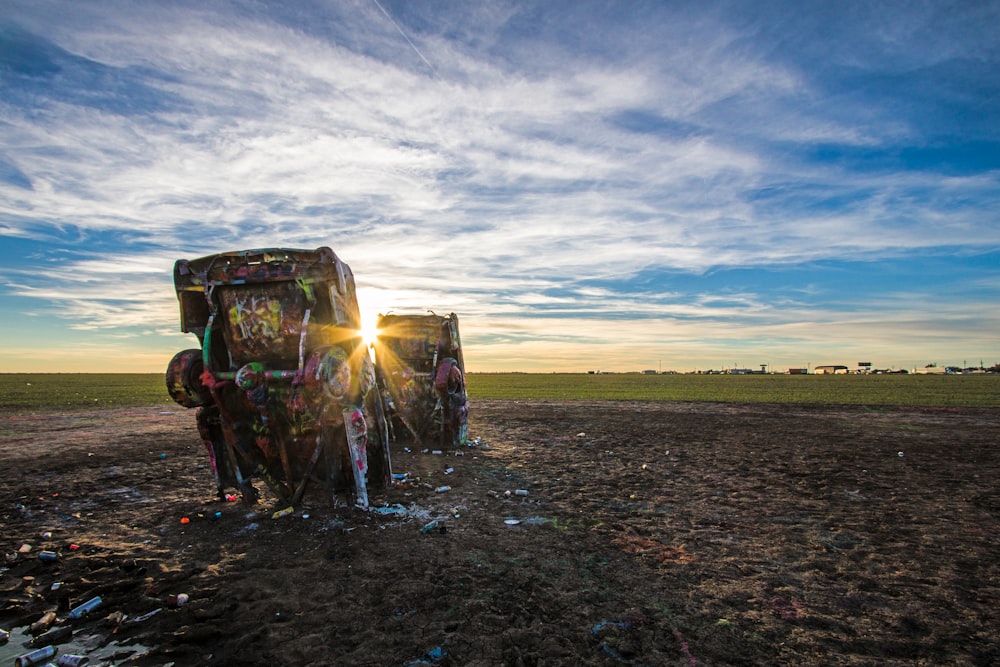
pixel 285 389
pixel 284 386
pixel 418 359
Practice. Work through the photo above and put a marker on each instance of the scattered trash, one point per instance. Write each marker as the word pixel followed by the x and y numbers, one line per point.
pixel 901 455
pixel 433 525
pixel 442 489
pixel 185 519
pixel 432 657
pixel 163 456
pixel 400 476
pixel 74 547
pixel 71 660
pixel 521 492
pixel 606 644
pixel 42 624
pixel 437 452
pixel 46 535
pixel 530 521
pixel 537 521
pixel 47 556
pixel 4 636
pixel 581 434
pixel 179 600
pixel 391 510
pixel 56 635
pixel 56 585
pixel 36 657
pixel 141 619
pixel 448 471
pixel 24 549
pixel 85 608
pixel 285 512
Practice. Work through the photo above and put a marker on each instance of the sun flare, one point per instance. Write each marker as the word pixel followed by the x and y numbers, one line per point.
pixel 369 328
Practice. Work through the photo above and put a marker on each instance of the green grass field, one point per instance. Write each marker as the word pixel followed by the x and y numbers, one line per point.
pixel 911 390
pixel 74 391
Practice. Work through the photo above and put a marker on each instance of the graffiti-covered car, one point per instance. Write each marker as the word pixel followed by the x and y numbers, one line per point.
pixel 419 363
pixel 284 385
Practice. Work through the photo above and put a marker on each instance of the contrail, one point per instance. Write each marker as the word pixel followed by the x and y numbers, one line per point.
pixel 395 25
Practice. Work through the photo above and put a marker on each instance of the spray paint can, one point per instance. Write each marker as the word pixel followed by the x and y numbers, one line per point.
pixel 70 660
pixel 35 657
pixel 178 600
pixel 48 556
pixel 4 637
pixel 85 608
pixel 56 635
pixel 42 624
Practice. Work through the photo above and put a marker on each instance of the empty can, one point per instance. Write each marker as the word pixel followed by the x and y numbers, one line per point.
pixel 85 608
pixel 35 657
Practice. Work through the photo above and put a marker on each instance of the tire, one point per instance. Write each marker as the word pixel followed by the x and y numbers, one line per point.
pixel 184 380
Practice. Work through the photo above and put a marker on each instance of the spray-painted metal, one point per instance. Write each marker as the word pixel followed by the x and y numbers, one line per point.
pixel 82 610
pixel 36 657
pixel 419 362
pixel 284 386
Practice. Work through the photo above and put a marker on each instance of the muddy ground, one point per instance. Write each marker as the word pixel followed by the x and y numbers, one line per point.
pixel 651 534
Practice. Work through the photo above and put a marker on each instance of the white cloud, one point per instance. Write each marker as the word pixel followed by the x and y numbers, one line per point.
pixel 490 183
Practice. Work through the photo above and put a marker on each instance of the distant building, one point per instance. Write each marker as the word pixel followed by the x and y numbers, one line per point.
pixel 831 370
pixel 798 371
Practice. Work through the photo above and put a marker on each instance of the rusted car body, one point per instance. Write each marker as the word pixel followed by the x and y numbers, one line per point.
pixel 418 360
pixel 284 385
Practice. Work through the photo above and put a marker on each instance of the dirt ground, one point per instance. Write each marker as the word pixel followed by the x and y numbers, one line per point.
pixel 650 534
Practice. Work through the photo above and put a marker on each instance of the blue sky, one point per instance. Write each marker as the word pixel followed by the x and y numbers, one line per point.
pixel 590 185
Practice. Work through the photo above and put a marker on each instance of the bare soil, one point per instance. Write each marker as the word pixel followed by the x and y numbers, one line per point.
pixel 573 533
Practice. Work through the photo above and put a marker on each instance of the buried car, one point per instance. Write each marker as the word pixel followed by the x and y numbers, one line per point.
pixel 284 385
pixel 418 360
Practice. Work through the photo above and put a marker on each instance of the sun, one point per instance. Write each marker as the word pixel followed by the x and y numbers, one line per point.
pixel 369 328
pixel 372 303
